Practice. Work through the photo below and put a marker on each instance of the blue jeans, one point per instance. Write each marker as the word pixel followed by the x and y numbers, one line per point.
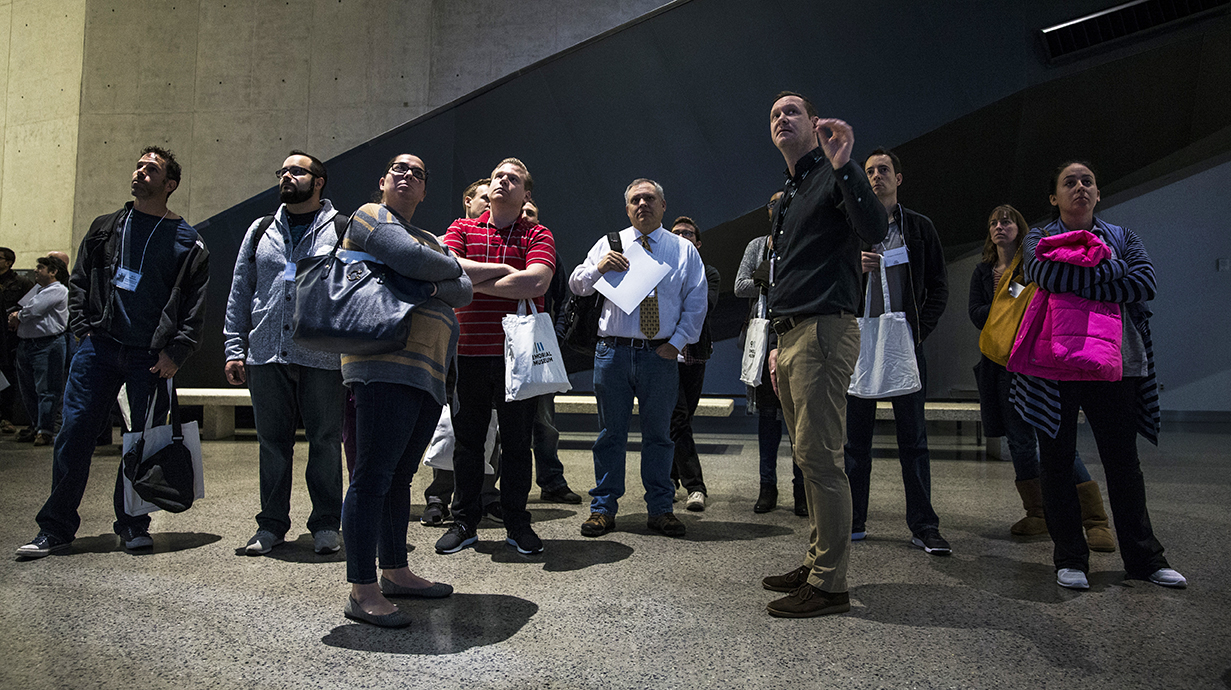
pixel 393 425
pixel 621 372
pixel 908 416
pixel 545 439
pixel 280 394
pixel 1023 445
pixel 99 368
pixel 769 437
pixel 40 374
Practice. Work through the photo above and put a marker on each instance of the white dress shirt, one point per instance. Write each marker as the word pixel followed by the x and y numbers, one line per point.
pixel 681 293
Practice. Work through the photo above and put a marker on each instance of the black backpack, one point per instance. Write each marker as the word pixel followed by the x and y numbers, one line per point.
pixel 579 318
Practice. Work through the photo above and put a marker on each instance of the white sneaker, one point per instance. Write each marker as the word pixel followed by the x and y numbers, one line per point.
pixel 696 502
pixel 1072 578
pixel 1168 578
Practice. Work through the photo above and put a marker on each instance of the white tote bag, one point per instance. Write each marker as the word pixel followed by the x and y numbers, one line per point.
pixel 439 454
pixel 532 362
pixel 886 366
pixel 756 347
pixel 156 439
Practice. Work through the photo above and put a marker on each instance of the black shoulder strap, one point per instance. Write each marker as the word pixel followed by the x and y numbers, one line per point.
pixel 613 240
pixel 260 231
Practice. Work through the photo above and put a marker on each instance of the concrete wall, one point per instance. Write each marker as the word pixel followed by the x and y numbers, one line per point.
pixel 40 79
pixel 231 85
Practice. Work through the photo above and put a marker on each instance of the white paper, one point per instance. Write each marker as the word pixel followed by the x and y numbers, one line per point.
pixel 626 289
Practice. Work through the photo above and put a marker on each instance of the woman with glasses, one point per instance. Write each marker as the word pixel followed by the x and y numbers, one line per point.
pixel 398 398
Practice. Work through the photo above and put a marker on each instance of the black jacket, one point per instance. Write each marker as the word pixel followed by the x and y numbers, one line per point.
pixel 929 278
pixel 91 306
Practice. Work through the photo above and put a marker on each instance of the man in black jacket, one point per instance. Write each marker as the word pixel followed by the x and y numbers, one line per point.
pixel 137 303
pixel 915 268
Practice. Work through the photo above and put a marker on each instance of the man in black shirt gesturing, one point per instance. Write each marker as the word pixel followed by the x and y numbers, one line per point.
pixel 827 211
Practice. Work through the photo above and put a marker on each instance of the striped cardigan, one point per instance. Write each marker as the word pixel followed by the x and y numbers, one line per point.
pixel 1126 278
pixel 432 344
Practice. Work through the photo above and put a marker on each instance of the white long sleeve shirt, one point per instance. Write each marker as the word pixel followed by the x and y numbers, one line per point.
pixel 44 311
pixel 682 292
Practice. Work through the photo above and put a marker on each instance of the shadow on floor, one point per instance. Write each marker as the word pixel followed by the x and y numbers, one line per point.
pixel 560 555
pixel 441 626
pixel 164 542
pixel 940 606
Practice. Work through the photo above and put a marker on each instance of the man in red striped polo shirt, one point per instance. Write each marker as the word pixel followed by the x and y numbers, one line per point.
pixel 508 259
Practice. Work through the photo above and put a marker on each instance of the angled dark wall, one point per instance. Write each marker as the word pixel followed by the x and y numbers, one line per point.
pixel 683 95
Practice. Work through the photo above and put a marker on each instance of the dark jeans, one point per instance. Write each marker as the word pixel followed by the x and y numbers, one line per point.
pixel 1023 446
pixel 545 439
pixel 99 368
pixel 480 388
pixel 441 488
pixel 1111 410
pixel 40 374
pixel 686 468
pixel 393 425
pixel 769 437
pixel 908 416
pixel 280 394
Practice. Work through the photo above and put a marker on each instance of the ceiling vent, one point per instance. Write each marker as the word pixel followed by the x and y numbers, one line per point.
pixel 1080 37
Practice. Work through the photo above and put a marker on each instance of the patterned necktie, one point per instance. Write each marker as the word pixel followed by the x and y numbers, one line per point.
pixel 649 305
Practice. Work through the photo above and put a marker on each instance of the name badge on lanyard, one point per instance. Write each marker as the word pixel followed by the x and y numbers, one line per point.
pixel 126 279
pixel 897 256
pixel 1015 289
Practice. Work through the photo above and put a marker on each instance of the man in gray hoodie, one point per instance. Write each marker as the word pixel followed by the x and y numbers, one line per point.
pixel 285 379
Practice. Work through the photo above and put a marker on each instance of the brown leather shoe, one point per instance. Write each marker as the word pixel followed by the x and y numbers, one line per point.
pixel 43 440
pixel 667 523
pixel 789 582
pixel 808 602
pixel 598 525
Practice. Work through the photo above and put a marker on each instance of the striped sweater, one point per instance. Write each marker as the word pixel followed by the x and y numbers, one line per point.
pixel 1126 278
pixel 415 253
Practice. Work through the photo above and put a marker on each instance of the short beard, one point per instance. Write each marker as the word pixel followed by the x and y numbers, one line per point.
pixel 295 195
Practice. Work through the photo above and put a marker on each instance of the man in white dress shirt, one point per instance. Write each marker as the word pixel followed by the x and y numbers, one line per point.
pixel 636 356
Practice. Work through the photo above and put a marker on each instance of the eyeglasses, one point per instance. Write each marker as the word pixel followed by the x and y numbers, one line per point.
pixel 401 170
pixel 686 233
pixel 294 170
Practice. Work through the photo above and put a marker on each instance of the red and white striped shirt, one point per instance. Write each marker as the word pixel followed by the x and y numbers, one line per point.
pixel 518 245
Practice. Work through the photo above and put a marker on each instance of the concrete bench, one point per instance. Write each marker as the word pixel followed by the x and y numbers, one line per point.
pixel 218 408
pixel 586 404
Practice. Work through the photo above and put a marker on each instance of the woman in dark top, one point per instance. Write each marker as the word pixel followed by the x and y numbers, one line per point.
pixel 1116 410
pixel 1002 258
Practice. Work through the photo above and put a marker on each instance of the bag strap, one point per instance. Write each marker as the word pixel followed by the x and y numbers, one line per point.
pixel 867 297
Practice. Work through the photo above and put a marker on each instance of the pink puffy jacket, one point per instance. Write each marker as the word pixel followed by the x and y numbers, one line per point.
pixel 1064 337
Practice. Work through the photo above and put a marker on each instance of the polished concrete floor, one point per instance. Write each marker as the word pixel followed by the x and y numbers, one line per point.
pixel 630 609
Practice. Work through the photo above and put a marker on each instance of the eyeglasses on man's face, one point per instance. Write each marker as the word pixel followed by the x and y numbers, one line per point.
pixel 294 170
pixel 402 169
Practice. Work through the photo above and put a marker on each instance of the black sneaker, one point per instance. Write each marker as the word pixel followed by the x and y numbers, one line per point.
pixel 26 435
pixel 42 545
pixel 931 541
pixel 561 495
pixel 457 538
pixel 136 538
pixel 494 511
pixel 525 541
pixel 434 514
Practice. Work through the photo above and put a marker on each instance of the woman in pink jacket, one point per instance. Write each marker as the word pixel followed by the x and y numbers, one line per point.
pixel 1116 410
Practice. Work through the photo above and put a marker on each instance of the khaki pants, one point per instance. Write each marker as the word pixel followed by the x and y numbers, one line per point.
pixel 815 362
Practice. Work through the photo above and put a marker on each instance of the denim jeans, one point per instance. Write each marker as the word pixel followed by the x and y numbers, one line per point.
pixel 686 468
pixel 620 373
pixel 1023 445
pixel 281 393
pixel 40 374
pixel 908 417
pixel 1111 410
pixel 480 388
pixel 99 368
pixel 545 440
pixel 769 437
pixel 440 490
pixel 393 425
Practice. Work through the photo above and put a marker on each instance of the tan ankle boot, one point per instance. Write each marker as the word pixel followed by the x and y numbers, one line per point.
pixel 1032 500
pixel 1094 518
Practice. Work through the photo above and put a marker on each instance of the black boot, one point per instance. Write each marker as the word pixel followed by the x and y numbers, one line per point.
pixel 801 501
pixel 767 500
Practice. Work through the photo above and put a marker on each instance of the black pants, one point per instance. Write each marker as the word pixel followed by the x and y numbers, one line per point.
pixel 686 469
pixel 480 388
pixel 1111 409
